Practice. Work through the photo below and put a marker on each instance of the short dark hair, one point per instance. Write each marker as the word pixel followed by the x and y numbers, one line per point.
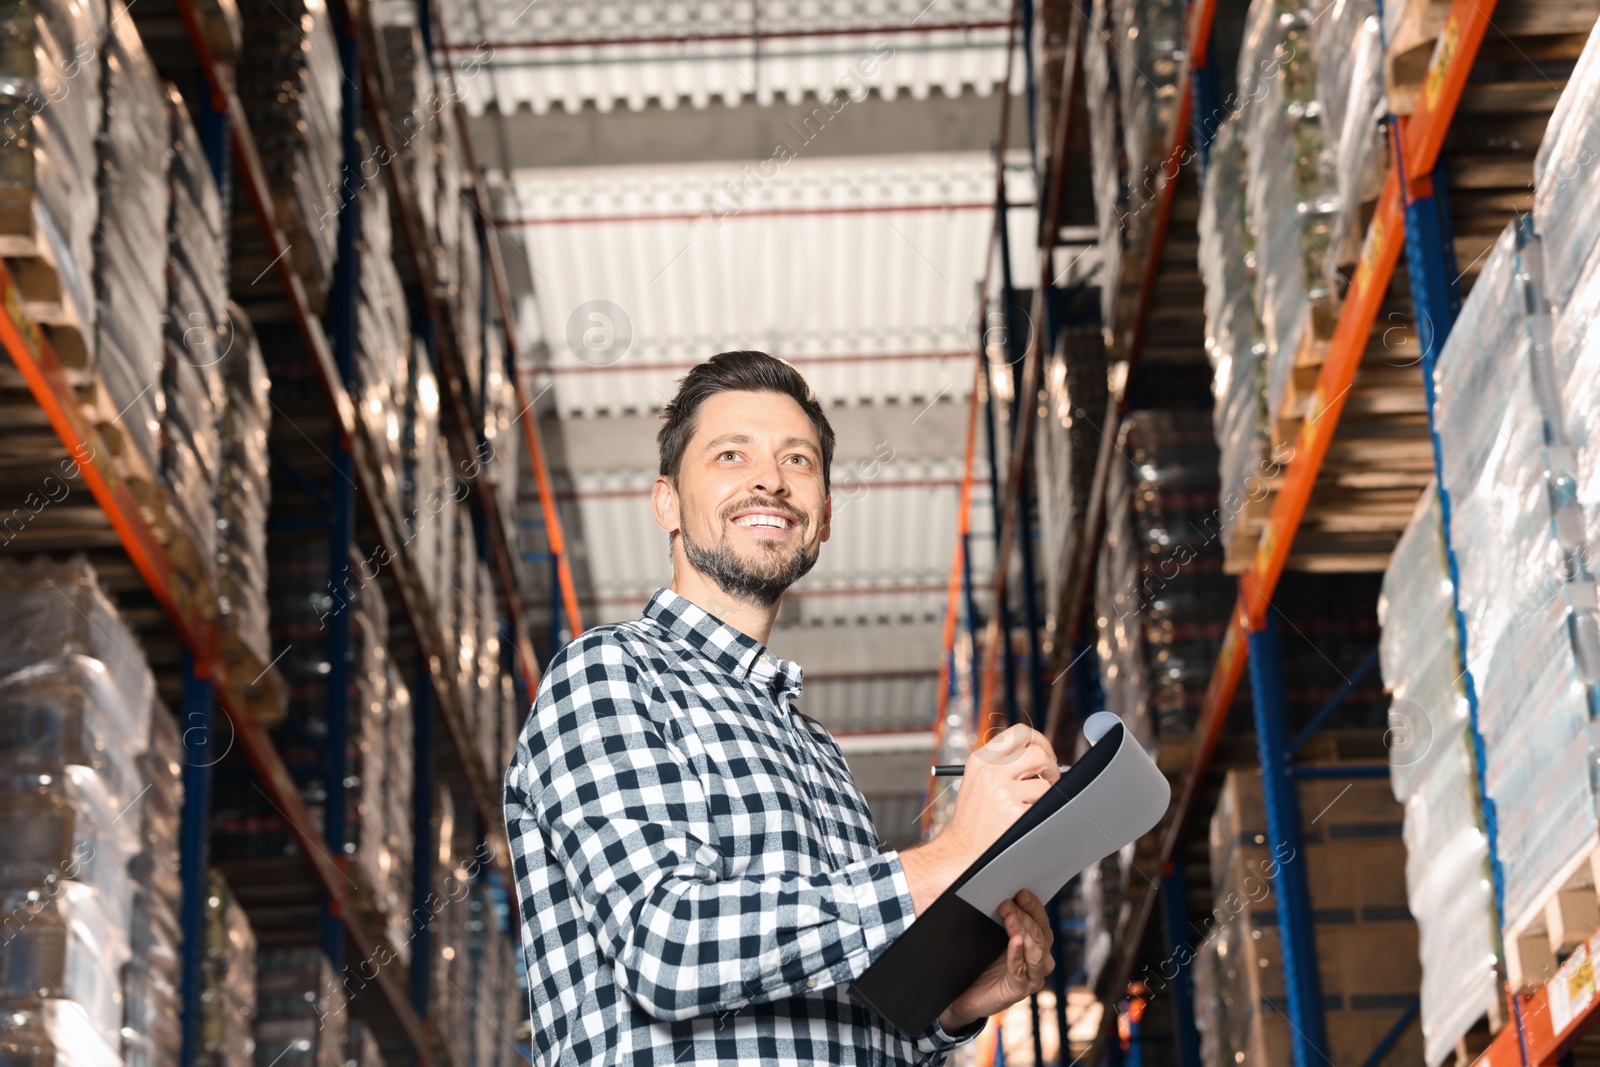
pixel 726 372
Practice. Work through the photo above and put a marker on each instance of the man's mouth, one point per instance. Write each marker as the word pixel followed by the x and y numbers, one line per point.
pixel 765 523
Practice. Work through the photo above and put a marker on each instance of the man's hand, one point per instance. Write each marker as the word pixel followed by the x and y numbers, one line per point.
pixel 1019 973
pixel 1001 779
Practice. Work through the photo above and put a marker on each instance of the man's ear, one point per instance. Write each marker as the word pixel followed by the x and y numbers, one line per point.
pixel 664 503
pixel 827 516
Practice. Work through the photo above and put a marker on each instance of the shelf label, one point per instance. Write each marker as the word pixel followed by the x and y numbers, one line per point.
pixel 1571 990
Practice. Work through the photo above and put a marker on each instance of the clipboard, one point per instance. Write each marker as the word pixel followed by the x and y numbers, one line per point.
pixel 1113 795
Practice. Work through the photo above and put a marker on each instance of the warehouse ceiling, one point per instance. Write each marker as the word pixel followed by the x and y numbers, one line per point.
pixel 815 180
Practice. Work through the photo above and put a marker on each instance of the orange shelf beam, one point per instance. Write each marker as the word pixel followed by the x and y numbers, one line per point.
pixel 30 350
pixel 1422 136
pixel 482 784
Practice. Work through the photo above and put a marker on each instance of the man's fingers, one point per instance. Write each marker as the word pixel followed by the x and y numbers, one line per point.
pixel 1030 789
pixel 1032 907
pixel 1036 931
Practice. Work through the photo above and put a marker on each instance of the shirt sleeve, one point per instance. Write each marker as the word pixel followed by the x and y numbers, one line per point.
pixel 934 1042
pixel 621 810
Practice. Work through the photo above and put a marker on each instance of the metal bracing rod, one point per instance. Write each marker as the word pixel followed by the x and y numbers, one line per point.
pixel 1001 624
pixel 1387 1042
pixel 1334 702
pixel 196 717
pixel 1308 1031
pixel 342 511
pixel 424 850
pixel 1082 568
pixel 1026 383
pixel 1180 950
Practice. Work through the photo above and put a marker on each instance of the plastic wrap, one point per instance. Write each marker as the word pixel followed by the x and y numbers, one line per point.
pixel 131 250
pixel 52 1032
pixel 228 987
pixel 75 719
pixel 152 1010
pixel 53 107
pixel 1357 139
pixel 1159 577
pixel 1432 773
pixel 1110 193
pixel 56 611
pixel 1233 333
pixel 196 330
pixel 301 1018
pixel 1525 588
pixel 1566 180
pixel 289 83
pixel 245 488
pixel 383 345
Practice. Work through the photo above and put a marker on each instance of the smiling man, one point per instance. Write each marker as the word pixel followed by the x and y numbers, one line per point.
pixel 699 875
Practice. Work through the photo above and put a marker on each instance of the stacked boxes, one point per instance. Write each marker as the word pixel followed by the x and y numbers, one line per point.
pixel 412 109
pixel 75 714
pixel 289 83
pixel 1524 590
pixel 196 327
pixel 246 488
pixel 1347 44
pixel 1432 770
pixel 396 800
pixel 1289 194
pixel 379 730
pixel 152 1010
pixel 1068 443
pixel 1160 574
pixel 301 1019
pixel 228 991
pixel 49 189
pixel 383 345
pixel 1365 938
pixel 130 260
pixel 502 435
pixel 1234 340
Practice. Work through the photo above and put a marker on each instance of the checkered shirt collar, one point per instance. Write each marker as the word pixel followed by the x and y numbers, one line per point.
pixel 730 648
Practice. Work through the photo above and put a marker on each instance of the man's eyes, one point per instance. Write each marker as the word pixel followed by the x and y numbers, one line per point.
pixel 796 458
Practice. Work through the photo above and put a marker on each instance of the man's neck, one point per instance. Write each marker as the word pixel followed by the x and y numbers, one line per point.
pixel 752 620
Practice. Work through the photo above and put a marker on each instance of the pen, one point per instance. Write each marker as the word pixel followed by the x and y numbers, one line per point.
pixel 956 770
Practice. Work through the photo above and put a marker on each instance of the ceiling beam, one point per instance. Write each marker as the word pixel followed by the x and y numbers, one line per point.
pixel 891 432
pixel 871 126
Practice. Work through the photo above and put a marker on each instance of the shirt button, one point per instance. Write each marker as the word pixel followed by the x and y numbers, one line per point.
pixel 811 983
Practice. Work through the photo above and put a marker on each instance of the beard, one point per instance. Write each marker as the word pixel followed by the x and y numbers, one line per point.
pixel 760 583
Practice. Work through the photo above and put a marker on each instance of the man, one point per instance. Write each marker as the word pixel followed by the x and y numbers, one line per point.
pixel 699 875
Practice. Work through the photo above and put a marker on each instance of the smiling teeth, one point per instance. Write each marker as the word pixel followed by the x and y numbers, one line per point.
pixel 762 520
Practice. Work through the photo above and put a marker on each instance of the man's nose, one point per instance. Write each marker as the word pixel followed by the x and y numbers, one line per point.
pixel 768 478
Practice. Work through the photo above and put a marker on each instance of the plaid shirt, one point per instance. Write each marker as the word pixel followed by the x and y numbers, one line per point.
pixel 698 873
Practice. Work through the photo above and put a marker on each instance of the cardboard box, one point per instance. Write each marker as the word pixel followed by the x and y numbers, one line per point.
pixel 1352 1035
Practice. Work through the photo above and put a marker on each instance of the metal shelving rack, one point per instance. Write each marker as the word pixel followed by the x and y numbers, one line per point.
pixel 1410 217
pixel 207 682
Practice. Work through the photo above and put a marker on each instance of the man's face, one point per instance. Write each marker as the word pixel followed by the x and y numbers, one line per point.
pixel 748 502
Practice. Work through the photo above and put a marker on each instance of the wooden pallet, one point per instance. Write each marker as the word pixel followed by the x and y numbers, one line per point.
pixel 265 692
pixel 1563 918
pixel 1381 457
pixel 1421 23
pixel 34 265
